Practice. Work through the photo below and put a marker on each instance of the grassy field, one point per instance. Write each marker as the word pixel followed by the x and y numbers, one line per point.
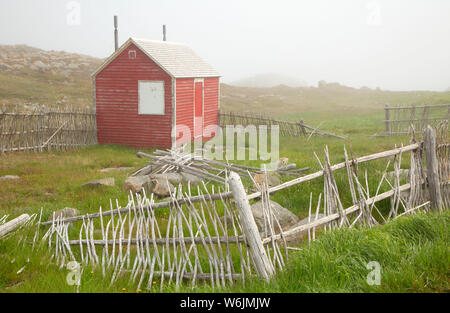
pixel 53 180
pixel 413 251
pixel 334 107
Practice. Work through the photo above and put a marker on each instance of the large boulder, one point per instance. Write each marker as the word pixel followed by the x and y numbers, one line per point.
pixel 136 183
pixel 285 217
pixel 101 182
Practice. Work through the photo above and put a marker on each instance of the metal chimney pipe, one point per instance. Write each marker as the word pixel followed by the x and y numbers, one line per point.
pixel 116 33
pixel 164 32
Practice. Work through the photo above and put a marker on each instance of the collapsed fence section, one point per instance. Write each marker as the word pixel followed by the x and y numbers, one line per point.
pixel 286 128
pixel 46 129
pixel 399 119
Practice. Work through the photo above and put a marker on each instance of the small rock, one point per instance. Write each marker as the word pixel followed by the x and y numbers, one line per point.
pixel 112 169
pixel 101 182
pixel 273 179
pixel 161 187
pixel 9 177
pixel 285 217
pixel 66 212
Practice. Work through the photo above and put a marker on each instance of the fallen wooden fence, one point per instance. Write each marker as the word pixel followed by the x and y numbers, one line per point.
pixel 46 129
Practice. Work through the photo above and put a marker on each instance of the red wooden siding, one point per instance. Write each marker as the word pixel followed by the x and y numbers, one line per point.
pixel 211 102
pixel 116 89
pixel 198 109
pixel 185 104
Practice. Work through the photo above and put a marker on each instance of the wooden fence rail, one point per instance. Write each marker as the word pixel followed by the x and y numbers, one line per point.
pixel 52 129
pixel 398 120
pixel 286 128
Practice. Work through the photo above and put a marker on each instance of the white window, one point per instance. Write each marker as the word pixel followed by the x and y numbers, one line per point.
pixel 151 97
pixel 132 54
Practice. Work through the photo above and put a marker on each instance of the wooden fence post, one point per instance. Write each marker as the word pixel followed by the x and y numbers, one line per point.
pixel 386 118
pixel 434 186
pixel 263 266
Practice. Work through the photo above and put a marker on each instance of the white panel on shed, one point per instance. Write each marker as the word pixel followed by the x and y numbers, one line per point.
pixel 151 97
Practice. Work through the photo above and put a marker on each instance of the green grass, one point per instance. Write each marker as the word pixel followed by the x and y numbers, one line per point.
pixel 53 180
pixel 412 252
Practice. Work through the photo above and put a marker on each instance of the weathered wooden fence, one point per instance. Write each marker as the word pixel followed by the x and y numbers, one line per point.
pixel 286 128
pixel 214 236
pixel 192 242
pixel 398 120
pixel 46 129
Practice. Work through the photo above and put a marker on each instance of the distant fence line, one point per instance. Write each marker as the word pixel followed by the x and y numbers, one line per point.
pixel 46 129
pixel 287 128
pixel 399 119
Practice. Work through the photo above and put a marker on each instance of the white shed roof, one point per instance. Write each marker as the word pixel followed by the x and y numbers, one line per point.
pixel 177 59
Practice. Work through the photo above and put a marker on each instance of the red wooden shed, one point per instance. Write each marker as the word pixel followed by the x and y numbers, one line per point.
pixel 148 91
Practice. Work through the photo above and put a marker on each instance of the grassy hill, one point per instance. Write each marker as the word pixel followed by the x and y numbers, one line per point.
pixel 34 76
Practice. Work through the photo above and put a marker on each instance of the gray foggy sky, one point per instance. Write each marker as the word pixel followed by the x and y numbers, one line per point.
pixel 396 44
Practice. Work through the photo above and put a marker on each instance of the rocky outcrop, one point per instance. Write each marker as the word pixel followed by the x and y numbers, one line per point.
pixel 21 58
